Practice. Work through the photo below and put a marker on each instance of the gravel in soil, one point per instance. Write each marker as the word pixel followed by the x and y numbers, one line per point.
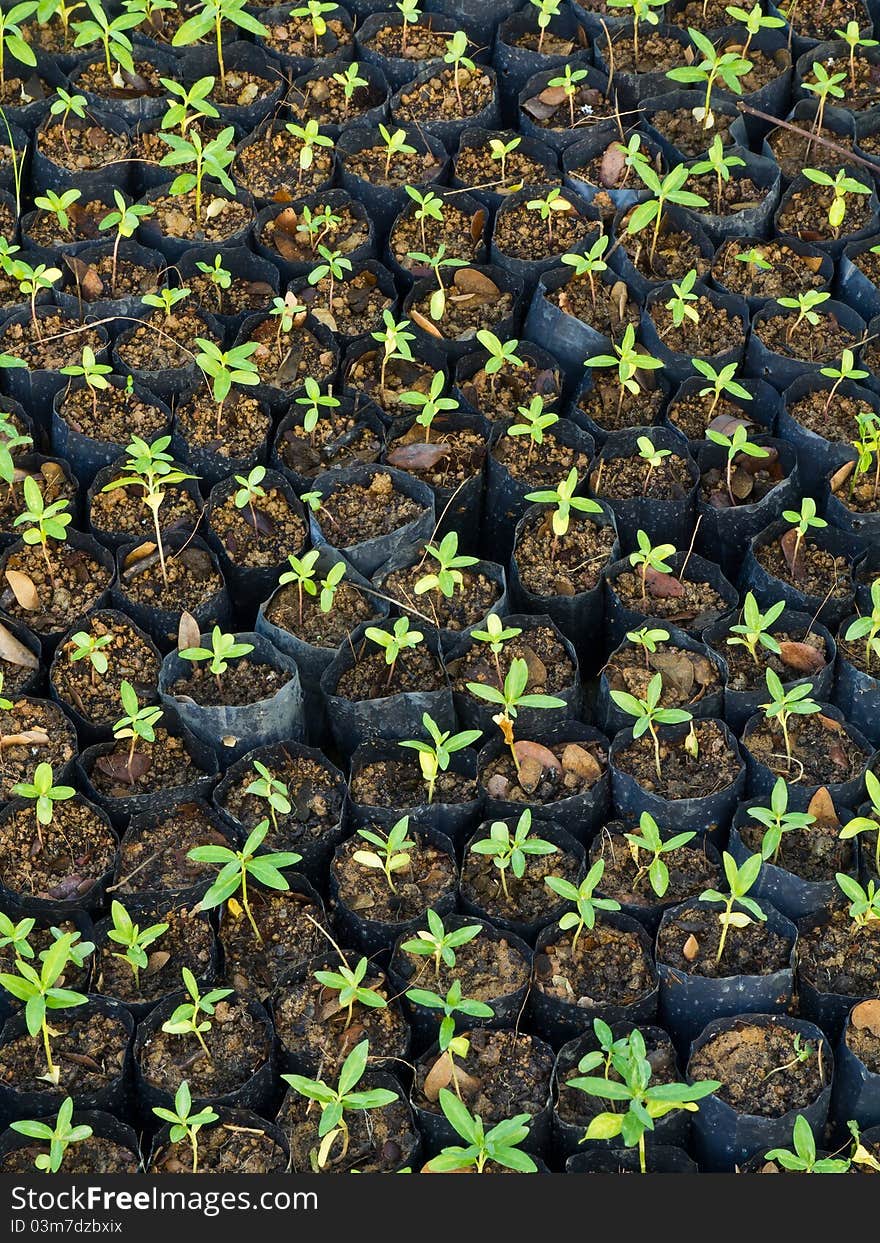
pixel 162 765
pixel 607 307
pixel 299 38
pixel 221 218
pixel 629 478
pixel 191 578
pixel 92 1157
pixel 81 145
pixel 527 898
pixel 832 420
pixel 328 630
pixel 716 332
pixel 375 166
pixel 239 1044
pixel 863 1037
pixel 562 566
pixel 323 99
pixel 112 414
pixel 52 481
pixel 802 654
pixel 814 854
pixel 538 467
pixel 400 784
pixel 859 493
pixel 370 677
pixel 227 1148
pixel 40 938
pixel 50 342
pixel 447 96
pixel 354 513
pixel 130 658
pixel 32 731
pixel 125 512
pixel 269 166
pixel 474 303
pixel 837 957
pixel 260 534
pixel 289 937
pixel 288 233
pixel 448 458
pixel 499 395
pixel 683 602
pixel 675 254
pixel 429 876
pixel 822 752
pixel 819 343
pixel 284 359
pixel 614 409
pixel 814 571
pixel 164 342
pixel 683 776
pixel 364 374
pixel 520 232
pixel 793 152
pixel 244 682
pixel 55 598
pixel 552 108
pixel 805 215
pixel 788 275
pixel 609 966
pixel 550 668
pixel 338 440
pixel 349 307
pixel 94 280
pixel 232 432
pixel 625 878
pixel 459 231
pixel 476 167
pixel 688 677
pixel 751 479
pixel 504 1073
pixel 379 1140
pixel 759 1070
pixel 88 1048
pixel 471 600
pixel 689 942
pixel 688 134
pixel 487 967
pixel 154 855
pixel 315 795
pixel 188 941
pixel 546 774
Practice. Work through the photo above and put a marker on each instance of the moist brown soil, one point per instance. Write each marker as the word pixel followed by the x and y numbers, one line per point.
pixel 527 899
pixel 422 43
pixel 552 109
pixel 805 215
pixel 96 695
pixel 82 145
pixel 868 263
pixel 689 135
pixel 91 1156
pixel 258 536
pixel 459 232
pixel 538 466
pixel 187 942
pixel 76 584
pixel 448 458
pixel 51 343
pixel 602 403
pixel 628 478
pixel 242 88
pixel 609 313
pixel 698 605
pixel 444 97
pixel 298 38
pixel 564 566
pixel 546 774
pixel 192 578
pixel 817 343
pixel 401 376
pixel 221 217
pixel 92 281
pixel 350 608
pixel 608 169
pixel 789 275
pixel 688 677
pixel 323 100
pixel 608 966
pixel 244 682
pixel 822 752
pixel 269 166
pixel 711 16
pixel 822 17
pixel 657 52
pixel 715 767
pixel 371 164
pixel 689 942
pixel 857 654
pixel 243 424
pixel 287 234
pixel 153 858
pixel 163 765
pixel 835 421
pixel 57 862
pixel 242 296
pixel 227 1148
pixel 751 479
pixel 312 1025
pixel 114 416
pixel 802 654
pixel 87 1048
pixel 748 1061
pixel 124 512
pixel 818 572
pixel 500 395
pixel 863 1036
pixel 862 91
pixel 399 784
pixel 473 303
pixel 475 167
pixel 379 1139
pixel 578 1108
pixel 49 477
pixel 690 869
pixel 814 854
pixel 315 798
pixel 289 938
pixel 33 731
pixel 550 668
pixel 338 440
pixel 674 255
pixel 470 602
pixel 716 333
pixel 793 153
pixel 859 494
pixel 837 958
pixel 283 360
pixel 487 967
pixel 165 342
pixel 238 1046
pixel 356 305
pixel 355 513
pixel 15 674
pixel 142 84
pixel 503 1074
pixel 520 233
pixel 736 195
pixel 429 877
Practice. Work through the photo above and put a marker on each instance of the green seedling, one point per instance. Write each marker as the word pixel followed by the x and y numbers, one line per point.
pixel 647 715
pixel 728 67
pixel 184 1123
pixel 629 361
pixel 455 56
pixel 585 902
pixel 568 81
pixel 499 1145
pixel 778 820
pixel 649 842
pixel 347 982
pixel 753 632
pixel 650 557
pixel 42 522
pixel 438 944
pixel 803 1159
pixel 400 640
pixel 663 190
pixel 453 1003
pixel 867 824
pixel 783 705
pixel 589 265
pixel 720 165
pixel 349 79
pixel 535 421
pixel 805 304
pixel 740 881
pixel 841 184
pixel 564 500
pixel 735 445
pixel 134 940
pixel 193 1017
pixel 395 344
pixel 137 724
pixel 864 908
pixel 434 756
pixel 553 201
pixel 512 850
pixel 430 405
pixel 803 520
pixel 209 20
pixel 59 1137
pixel 272 790
pixel 391 851
pixel 41 995
pixel 510 699
pixel 449 565
pixel 44 794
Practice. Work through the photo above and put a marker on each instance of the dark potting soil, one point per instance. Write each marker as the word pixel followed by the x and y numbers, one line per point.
pixel 32 732
pixel 486 968
pixel 460 232
pixel 657 52
pixel 751 479
pixel 81 145
pixel 814 571
pixel 92 1156
pixel 562 566
pixel 242 296
pixel 822 752
pixel 270 165
pixel 688 677
pixel 51 600
pixel 473 303
pixel 475 166
pixel 504 1073
pixel 814 854
pixel 793 152
pixel 545 774
pixel 500 395
pixel 143 82
pixel 417 43
pixel 154 857
pixel 220 219
pixel 88 1049
pixel 238 1046
pixel 608 966
pixel 615 409
pixel 162 765
pixel 404 168
pixel 289 937
pixel 608 169
pixel 550 669
pixel 49 477
pixel 355 513
pixel 578 1108
pixel 370 677
pixel 401 376
pixel 715 767
pixel 399 784
pixel 860 493
pixel 538 467
pixel 789 275
pixel 759 1070
pixel 689 134
pixel 244 682
pixel 628 478
pixel 312 625
pixel 83 225
pixel 112 414
pixel 801 654
pixel 552 108
pixel 527 898
pixel 673 257
pixel 448 458
pixel 261 533
pixel 833 420
pixel 863 1037
pixel 338 440
pixel 323 99
pixel 608 308
pixel 187 942
pixel 289 235
pixel 314 795
pixel 446 96
pixel 814 343
pixel 95 280
pixel 837 957
pixel 690 940
pixel 365 890
pixel 232 432
pixel 49 342
pixel 285 359
pixel 298 37
pixel 351 306
pixel 470 601
pixel 129 658
pixel 520 233
pixel 685 601
pixel 61 861
pixel 165 343
pixel 805 215
pixel 378 1138
pixel 625 878
pixel 226 1148
pixel 40 938
pixel 716 331
pixel 124 511
pixel 191 579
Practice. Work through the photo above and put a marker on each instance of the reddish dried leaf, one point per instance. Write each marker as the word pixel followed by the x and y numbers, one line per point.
pixel 802 657
pixel 663 586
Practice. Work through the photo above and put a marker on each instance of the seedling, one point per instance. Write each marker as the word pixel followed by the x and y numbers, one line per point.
pixel 801 1051
pixel 628 360
pixel 729 67
pixel 547 10
pixel 335 1102
pixel 44 794
pixel 644 1103
pixel 803 520
pixel 754 630
pixel 223 649
pixel 665 190
pixel 499 1145
pixel 803 1160
pixel 314 10
pixel 349 79
pixel 512 850
pixel 335 265
pixel 65 105
pixel 16 935
pixel 778 821
pixel 391 853
pixel 272 790
pixel 589 264
pixel 648 839
pixel 126 221
pixel 43 522
pixel 448 573
pixel 562 496
pixel 309 137
pixel 134 940
pixel 401 639
pixel 313 403
pixel 237 866
pixel 40 993
pixel 868 627
pixel 502 354
pixel 31 282
pixel 535 422
pixel 805 304
pixel 736 444
pixel 648 639
pixel 395 144
pixel 208 159
pixel 642 11
pixel 437 262
pixel 500 150
pixel 827 86
pixel 249 491
pixel 188 104
pixel 755 260
pixel 10 440
pixel 348 983
pixel 719 382
pixel 648 715
pixel 395 344
pixel 285 310
pixel 859 1154
pixel 57 205
pixel 784 705
pixel 867 824
pixel 431 405
pixel 864 909
pixel 846 371
pixel 59 1137
pixel 740 880
pixel 511 698
pixel 682 296
pixel 93 373
pixel 151 468
pixel 410 12
pixel 317 225
pixel 841 184
pixel 184 1123
pixel 755 20
pixel 455 56
pixel 111 35
pixel 553 201
pixel 210 18
pixel 496 635
pixel 193 1017
pixel 867 447
pixel 719 164
pixel 138 723
pixel 434 755
pixel 568 81
pixel 438 944
pixel 582 895
pixel 166 300
pixel 650 557
pixel 226 368
pixel 450 1005
pixel 852 37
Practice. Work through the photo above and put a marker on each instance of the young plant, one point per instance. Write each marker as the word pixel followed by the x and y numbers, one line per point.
pixel 568 82
pixel 223 649
pixel 349 79
pixel 31 283
pixel 803 1160
pixel 193 1017
pixel 778 820
pixel 336 1102
pixel 57 205
pixel 650 557
pixel 852 37
pixel 590 264
pixel 649 841
pixel 309 137
pixel 736 444
pixel 430 405
pixel 40 992
pixel 499 1145
pixel 803 520
pixel 547 10
pixel 395 144
pixel 347 982
pixel 134 940
pixel 59 1137
pixel 188 104
pixel 395 344
pixel 450 1005
pixel 679 305
pixel 719 382
pixel 226 368
pixel 642 12
pixel 93 373
pixel 502 355
pixel 249 491
pixel 500 150
pixel 647 638
pixel 65 105
pixel 754 629
pixel 583 897
pixel 867 824
pixel 755 260
pixel 208 159
pixel 43 522
pixel 434 756
pixel 44 794
pixel 841 184
pixel 272 790
pixel 868 627
pixel 449 565
pixel 238 866
pixel 805 304
pixel 664 190
pixel 437 262
pixel 552 201
pixel 740 880
pixel 720 165
pixel 784 705
pixel 867 447
pixel 126 221
pixel 184 1123
pixel 209 19
pixel 729 67
pixel 562 496
pixel 438 944
pixel 755 20
pixel 10 440
pixel 455 56
pixel 628 360
pixel 846 371
pixel 510 698
pixel 137 723
pixel 647 714
pixel 335 265
pixel 535 422
pixel 864 908
pixel 313 403
pixel 391 853
pixel 314 10
pixel 401 639
pixel 411 13
pixel 512 850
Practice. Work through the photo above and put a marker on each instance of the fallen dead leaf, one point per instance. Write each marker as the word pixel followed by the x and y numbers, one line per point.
pixel 802 657
pixel 14 652
pixel 22 587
